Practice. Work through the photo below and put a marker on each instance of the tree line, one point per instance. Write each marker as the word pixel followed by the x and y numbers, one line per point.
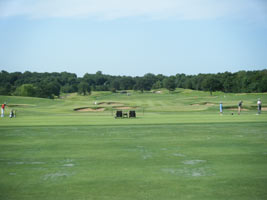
pixel 50 85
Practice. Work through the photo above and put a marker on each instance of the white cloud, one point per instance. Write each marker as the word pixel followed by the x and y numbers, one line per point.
pixel 155 9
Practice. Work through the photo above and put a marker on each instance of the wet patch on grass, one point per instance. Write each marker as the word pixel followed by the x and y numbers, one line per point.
pixel 147 156
pixel 178 155
pixel 25 163
pixel 187 172
pixel 193 162
pixel 68 165
pixel 56 176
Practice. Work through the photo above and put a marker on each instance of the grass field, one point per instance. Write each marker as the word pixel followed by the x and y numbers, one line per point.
pixel 178 147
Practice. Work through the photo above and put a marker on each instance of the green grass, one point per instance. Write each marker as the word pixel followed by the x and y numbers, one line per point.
pixel 175 149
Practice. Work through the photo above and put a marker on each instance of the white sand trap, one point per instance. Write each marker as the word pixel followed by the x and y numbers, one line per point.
pixel 158 92
pixel 193 162
pixel 264 108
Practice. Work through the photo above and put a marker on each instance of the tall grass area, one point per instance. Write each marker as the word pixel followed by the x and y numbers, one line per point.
pixel 178 147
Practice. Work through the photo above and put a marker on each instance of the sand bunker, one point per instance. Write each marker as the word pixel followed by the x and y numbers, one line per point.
pixel 125 108
pixel 110 104
pixel 87 109
pixel 157 92
pixel 264 108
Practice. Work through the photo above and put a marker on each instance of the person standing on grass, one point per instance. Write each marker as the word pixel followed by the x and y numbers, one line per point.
pixel 3 109
pixel 259 106
pixel 221 108
pixel 239 106
pixel 11 113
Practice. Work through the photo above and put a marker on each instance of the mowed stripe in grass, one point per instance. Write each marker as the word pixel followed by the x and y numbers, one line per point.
pixel 161 161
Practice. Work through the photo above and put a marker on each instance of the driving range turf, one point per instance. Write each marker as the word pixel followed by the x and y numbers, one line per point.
pixel 178 147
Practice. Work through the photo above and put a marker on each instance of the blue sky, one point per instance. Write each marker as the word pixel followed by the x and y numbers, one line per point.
pixel 126 37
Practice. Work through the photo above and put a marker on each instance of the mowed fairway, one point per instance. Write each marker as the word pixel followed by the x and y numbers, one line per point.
pixel 178 147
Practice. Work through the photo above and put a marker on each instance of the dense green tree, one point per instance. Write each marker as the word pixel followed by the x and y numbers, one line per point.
pixel 157 85
pixel 211 84
pixel 115 85
pixel 139 85
pixel 169 83
pixel 84 88
pixel 126 83
pixel 49 85
pixel 27 90
pixel 5 89
pixel 263 83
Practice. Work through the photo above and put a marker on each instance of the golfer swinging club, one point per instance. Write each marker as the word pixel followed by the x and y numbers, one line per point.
pixel 3 109
pixel 239 106
pixel 221 108
pixel 259 106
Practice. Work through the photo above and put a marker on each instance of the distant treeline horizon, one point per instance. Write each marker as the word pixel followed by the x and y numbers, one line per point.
pixel 50 85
